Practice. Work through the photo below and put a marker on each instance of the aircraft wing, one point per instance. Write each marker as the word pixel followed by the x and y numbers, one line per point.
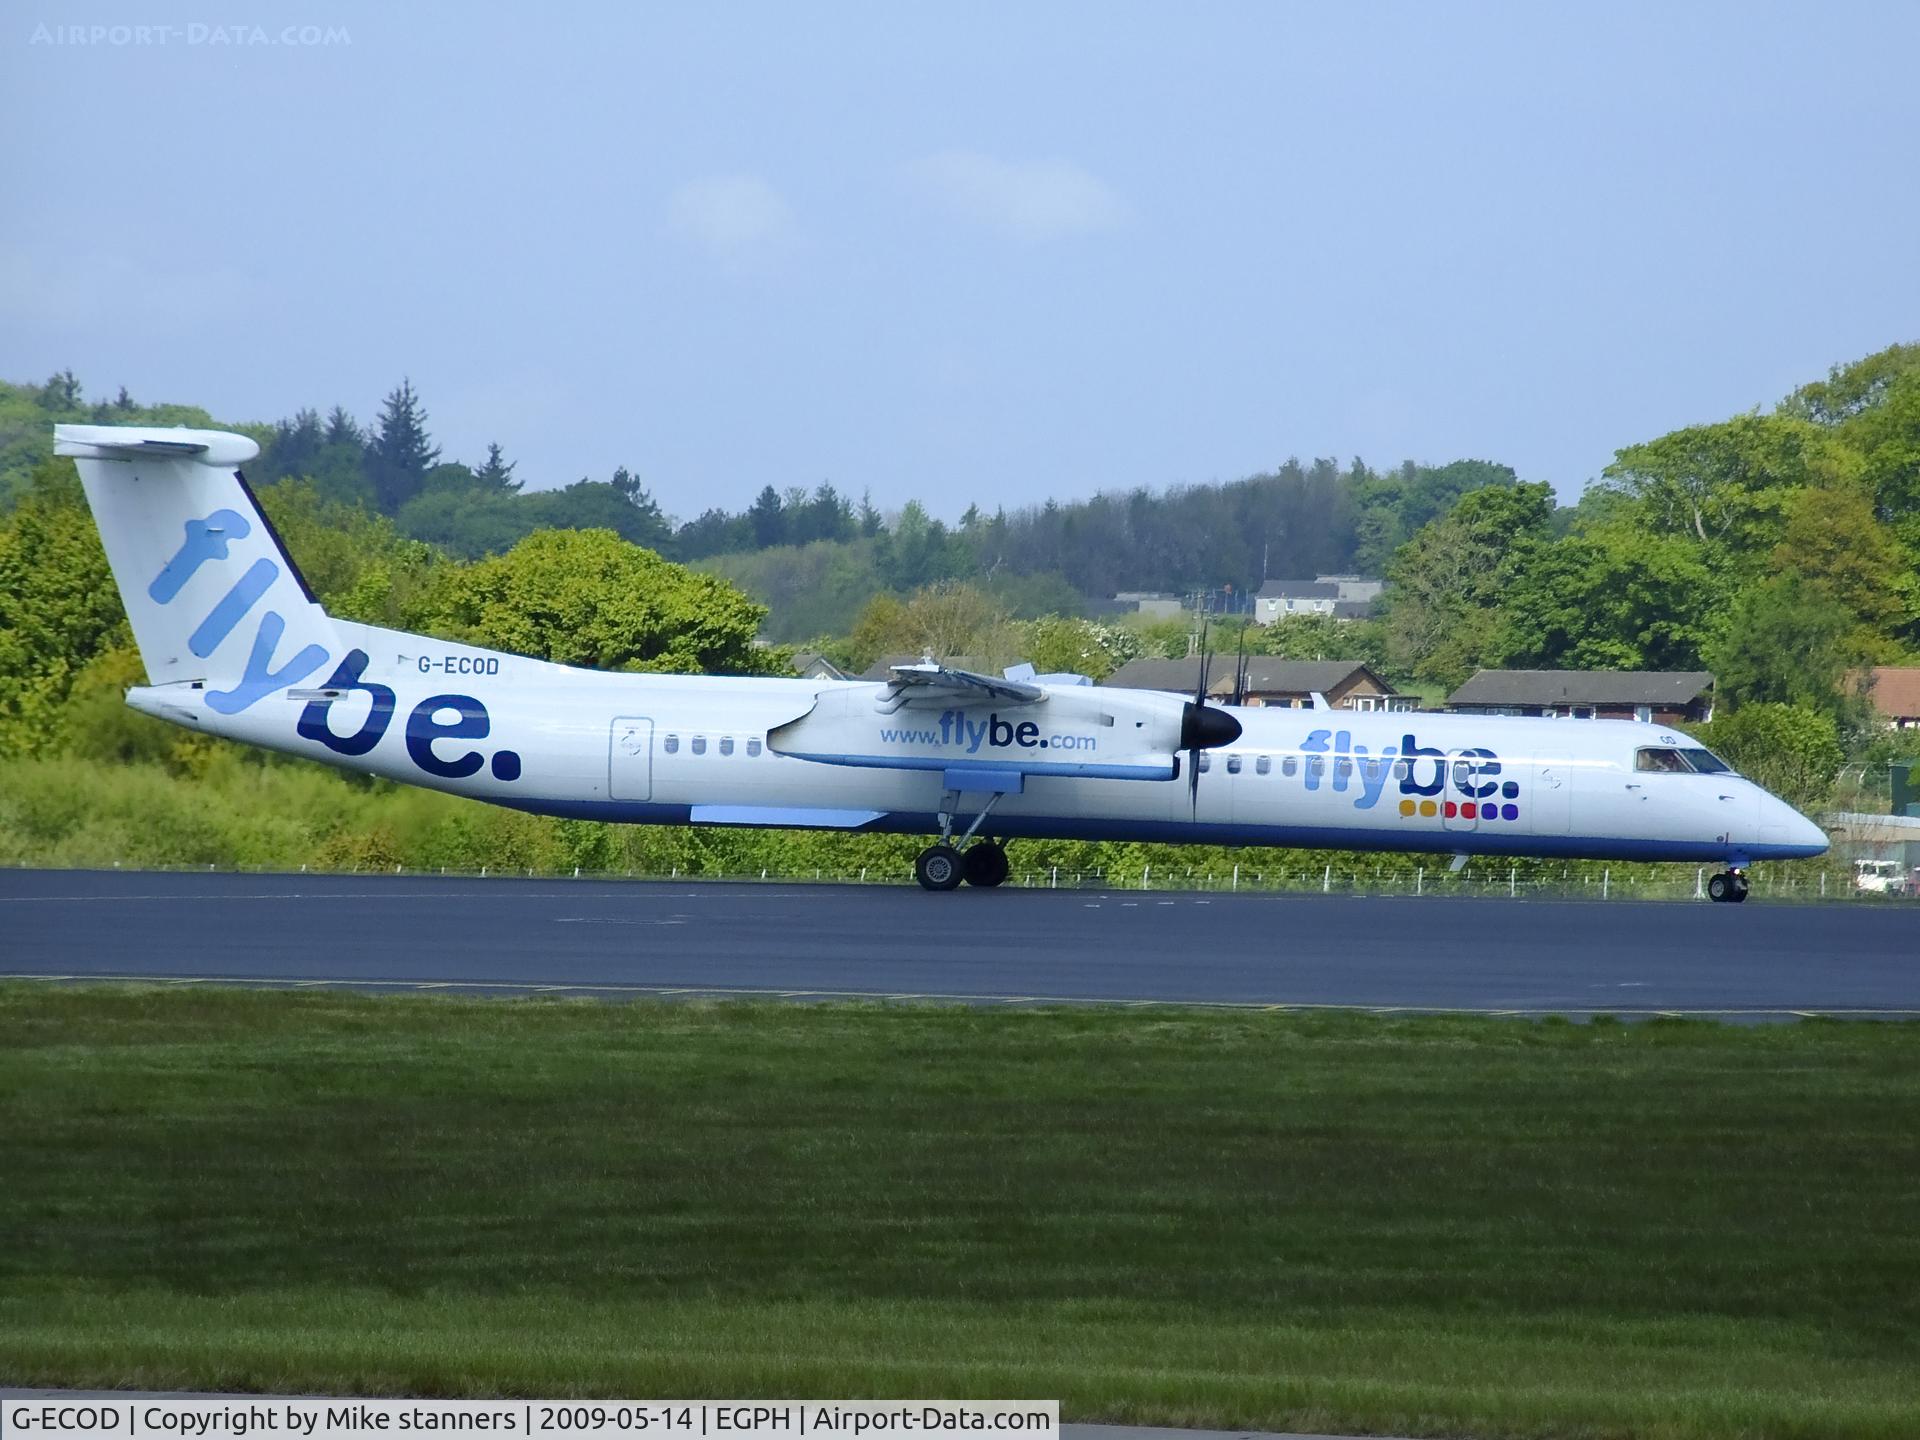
pixel 930 678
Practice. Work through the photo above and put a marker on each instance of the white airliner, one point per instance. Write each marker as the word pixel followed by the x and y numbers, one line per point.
pixel 235 645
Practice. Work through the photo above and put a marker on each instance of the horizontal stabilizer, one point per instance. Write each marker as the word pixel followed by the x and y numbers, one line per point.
pixel 218 448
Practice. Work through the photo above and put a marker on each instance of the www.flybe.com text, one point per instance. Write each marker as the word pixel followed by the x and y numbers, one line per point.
pixel 956 728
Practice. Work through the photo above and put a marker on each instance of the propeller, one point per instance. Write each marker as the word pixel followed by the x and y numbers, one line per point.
pixel 1203 726
pixel 1240 671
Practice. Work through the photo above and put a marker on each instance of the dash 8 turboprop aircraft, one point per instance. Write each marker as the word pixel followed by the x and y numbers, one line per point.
pixel 235 645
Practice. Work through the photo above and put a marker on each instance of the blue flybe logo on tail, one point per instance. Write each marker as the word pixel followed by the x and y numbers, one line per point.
pixel 206 540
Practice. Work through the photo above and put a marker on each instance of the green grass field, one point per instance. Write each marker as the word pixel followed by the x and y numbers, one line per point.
pixel 1429 1225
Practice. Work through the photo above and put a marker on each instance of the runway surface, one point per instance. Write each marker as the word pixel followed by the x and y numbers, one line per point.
pixel 631 938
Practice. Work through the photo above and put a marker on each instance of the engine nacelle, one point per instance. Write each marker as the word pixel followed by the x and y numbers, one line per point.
pixel 1072 730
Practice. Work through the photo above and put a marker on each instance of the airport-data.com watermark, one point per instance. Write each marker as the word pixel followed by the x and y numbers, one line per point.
pixel 236 36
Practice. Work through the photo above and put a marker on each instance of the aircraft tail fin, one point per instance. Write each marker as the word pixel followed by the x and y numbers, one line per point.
pixel 211 593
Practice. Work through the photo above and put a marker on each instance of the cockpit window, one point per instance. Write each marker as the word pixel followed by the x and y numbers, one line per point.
pixel 1707 763
pixel 1680 762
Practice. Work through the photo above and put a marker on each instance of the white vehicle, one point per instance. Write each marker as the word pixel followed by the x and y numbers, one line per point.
pixel 235 645
pixel 1879 877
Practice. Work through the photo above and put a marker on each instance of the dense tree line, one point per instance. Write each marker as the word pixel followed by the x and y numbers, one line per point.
pixel 795 547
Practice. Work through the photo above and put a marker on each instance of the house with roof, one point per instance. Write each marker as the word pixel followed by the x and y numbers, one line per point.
pixel 1343 597
pixel 1662 697
pixel 812 665
pixel 1346 684
pixel 1894 693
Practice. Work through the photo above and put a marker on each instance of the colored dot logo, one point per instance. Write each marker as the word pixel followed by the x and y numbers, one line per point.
pixel 1465 809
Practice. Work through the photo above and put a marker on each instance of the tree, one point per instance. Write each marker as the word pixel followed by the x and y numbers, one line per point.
pixel 401 452
pixel 938 620
pixel 1791 750
pixel 1445 584
pixel 767 519
pixel 61 392
pixel 342 428
pixel 715 533
pixel 1725 485
pixel 629 512
pixel 496 475
pixel 294 448
pixel 1614 600
pixel 358 564
pixel 587 597
pixel 1832 539
pixel 1059 645
pixel 1785 643
pixel 58 607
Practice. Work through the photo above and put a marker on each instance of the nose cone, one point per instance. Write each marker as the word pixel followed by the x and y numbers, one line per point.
pixel 1788 833
pixel 1204 726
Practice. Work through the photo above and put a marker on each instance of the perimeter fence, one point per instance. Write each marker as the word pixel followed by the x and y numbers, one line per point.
pixel 1800 882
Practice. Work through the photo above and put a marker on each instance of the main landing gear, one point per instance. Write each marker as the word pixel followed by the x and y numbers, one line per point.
pixel 941 867
pixel 982 863
pixel 1729 887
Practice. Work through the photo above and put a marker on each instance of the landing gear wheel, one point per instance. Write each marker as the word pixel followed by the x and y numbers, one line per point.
pixel 937 868
pixel 985 865
pixel 1729 887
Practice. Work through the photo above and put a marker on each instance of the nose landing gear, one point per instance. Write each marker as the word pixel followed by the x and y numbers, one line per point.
pixel 1729 887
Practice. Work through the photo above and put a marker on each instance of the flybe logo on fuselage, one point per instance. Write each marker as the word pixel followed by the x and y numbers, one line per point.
pixel 1428 779
pixel 960 730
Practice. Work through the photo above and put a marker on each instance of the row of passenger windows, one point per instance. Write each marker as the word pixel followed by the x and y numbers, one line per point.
pixel 697 744
pixel 1316 764
pixel 1655 761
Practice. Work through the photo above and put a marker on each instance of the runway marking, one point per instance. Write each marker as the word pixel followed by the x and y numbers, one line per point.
pixel 768 992
pixel 610 920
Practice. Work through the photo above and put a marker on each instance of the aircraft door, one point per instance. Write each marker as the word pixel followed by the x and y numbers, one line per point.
pixel 630 759
pixel 1550 797
pixel 1457 812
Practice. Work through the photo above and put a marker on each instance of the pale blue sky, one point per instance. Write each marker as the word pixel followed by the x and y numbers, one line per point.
pixel 966 253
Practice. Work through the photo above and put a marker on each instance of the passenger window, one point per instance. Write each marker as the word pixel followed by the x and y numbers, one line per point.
pixel 671 744
pixel 1316 766
pixel 699 744
pixel 726 744
pixel 1233 765
pixel 1289 766
pixel 1263 765
pixel 1660 762
pixel 1206 762
pixel 753 747
pixel 1403 769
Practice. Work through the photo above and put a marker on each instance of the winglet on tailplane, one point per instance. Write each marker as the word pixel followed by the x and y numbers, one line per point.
pixel 211 593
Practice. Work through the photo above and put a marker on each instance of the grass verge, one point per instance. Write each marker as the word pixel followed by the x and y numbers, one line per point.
pixel 1423 1225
